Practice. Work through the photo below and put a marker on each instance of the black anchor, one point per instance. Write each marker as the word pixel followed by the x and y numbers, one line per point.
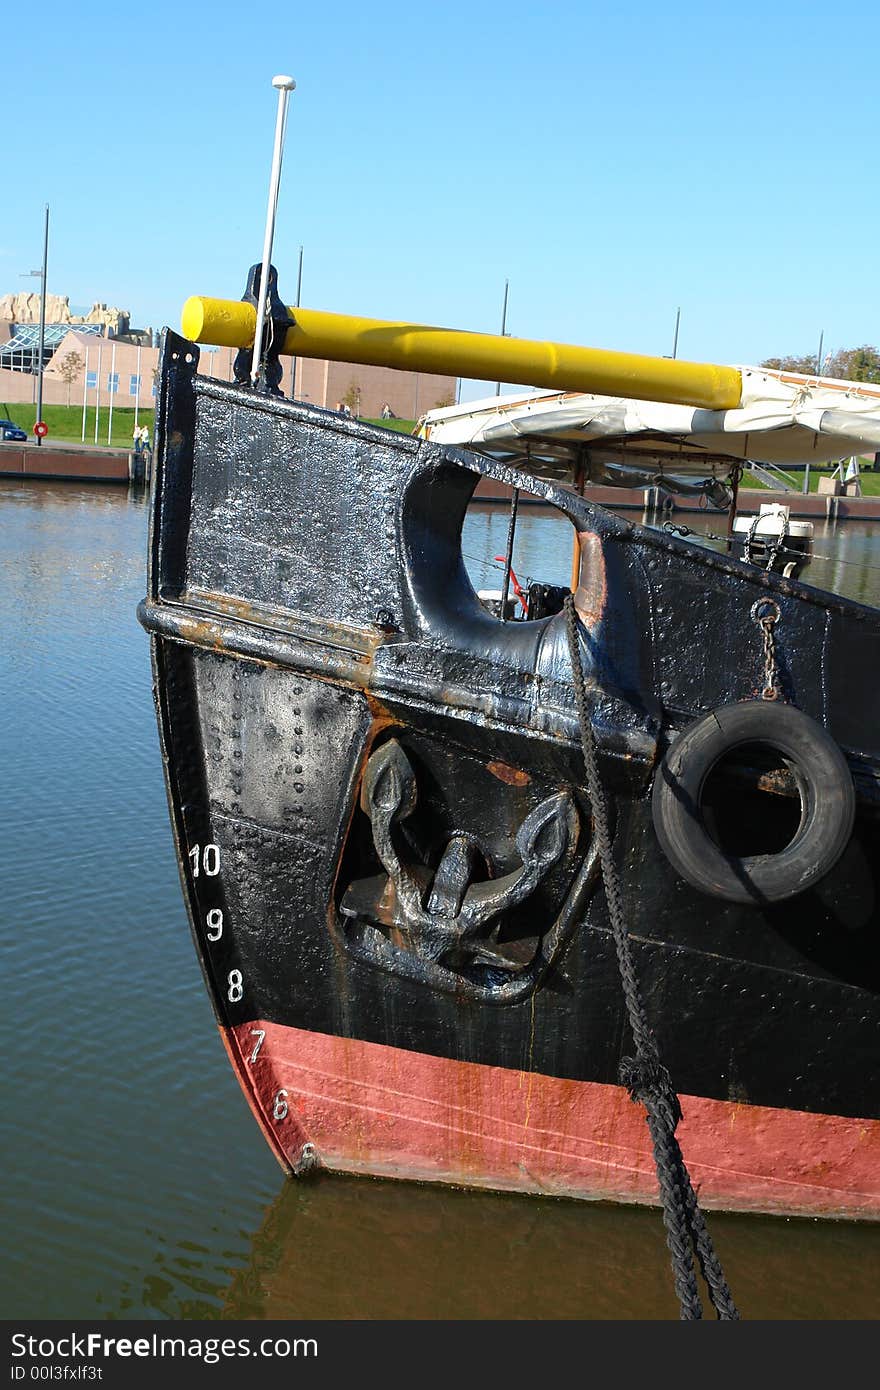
pixel 446 913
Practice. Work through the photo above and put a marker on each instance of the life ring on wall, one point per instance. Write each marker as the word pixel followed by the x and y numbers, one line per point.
pixel 823 780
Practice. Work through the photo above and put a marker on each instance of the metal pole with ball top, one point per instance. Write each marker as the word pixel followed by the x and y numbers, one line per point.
pixel 284 86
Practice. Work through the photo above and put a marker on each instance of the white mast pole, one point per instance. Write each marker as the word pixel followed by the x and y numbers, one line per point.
pixel 98 391
pixel 284 86
pixel 137 393
pixel 85 394
pixel 112 390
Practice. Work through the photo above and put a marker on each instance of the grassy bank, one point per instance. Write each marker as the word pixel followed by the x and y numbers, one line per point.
pixel 869 479
pixel 66 423
pixel 402 426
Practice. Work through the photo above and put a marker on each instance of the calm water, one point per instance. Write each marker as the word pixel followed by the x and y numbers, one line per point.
pixel 136 1182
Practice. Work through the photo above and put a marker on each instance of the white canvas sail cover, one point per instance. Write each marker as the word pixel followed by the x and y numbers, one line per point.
pixel 783 419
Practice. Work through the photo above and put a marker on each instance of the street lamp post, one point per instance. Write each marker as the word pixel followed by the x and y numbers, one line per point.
pixel 41 276
pixel 42 320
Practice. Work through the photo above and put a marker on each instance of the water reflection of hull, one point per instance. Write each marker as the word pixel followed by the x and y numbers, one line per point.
pixel 378 798
pixel 346 1248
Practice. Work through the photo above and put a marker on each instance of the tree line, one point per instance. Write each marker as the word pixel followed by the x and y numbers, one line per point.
pixel 847 364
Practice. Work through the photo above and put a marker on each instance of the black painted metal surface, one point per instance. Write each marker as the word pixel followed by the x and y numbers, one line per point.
pixel 395 777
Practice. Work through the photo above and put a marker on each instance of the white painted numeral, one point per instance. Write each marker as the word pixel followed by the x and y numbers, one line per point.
pixel 207 859
pixel 259 1034
pixel 215 924
pixel 279 1107
pixel 236 987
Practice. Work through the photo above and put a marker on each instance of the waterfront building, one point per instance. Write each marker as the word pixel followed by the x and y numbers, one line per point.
pixel 97 357
pixel 124 370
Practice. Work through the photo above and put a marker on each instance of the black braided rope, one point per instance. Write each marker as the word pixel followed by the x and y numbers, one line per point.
pixel 644 1075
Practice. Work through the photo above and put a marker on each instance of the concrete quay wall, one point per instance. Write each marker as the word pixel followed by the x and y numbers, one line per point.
pixel 66 461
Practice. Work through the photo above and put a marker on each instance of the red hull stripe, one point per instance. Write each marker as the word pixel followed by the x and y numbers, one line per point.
pixel 368 1108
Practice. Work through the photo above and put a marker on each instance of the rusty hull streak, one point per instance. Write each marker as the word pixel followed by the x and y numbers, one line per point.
pixel 203 632
pixel 592 592
pixel 513 776
pixel 382 720
pixel 358 642
pixel 342 665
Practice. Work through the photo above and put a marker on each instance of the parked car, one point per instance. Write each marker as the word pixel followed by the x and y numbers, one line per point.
pixel 11 431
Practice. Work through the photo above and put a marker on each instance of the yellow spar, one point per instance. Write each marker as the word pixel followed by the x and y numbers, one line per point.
pixel 481 356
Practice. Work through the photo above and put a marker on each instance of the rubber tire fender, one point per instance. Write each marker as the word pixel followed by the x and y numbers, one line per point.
pixel 826 791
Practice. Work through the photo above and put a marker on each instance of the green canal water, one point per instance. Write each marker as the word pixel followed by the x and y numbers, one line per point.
pixel 136 1183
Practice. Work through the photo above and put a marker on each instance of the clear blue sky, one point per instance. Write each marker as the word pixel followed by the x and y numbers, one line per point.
pixel 612 164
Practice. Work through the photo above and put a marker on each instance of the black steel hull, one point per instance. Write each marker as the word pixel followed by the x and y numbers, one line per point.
pixel 359 758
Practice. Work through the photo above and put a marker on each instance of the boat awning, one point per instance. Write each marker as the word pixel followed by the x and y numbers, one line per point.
pixel 783 419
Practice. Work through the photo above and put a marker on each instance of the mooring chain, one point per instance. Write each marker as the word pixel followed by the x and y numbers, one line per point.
pixel 766 613
pixel 777 544
pixel 644 1075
